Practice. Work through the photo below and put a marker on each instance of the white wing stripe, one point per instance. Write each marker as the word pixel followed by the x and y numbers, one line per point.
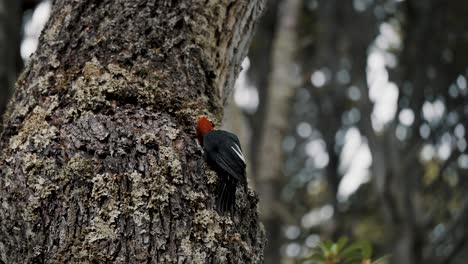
pixel 238 152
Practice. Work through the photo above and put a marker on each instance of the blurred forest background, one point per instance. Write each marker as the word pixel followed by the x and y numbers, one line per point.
pixel 353 116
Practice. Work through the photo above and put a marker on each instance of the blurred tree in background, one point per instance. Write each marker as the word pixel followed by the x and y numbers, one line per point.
pixel 12 13
pixel 354 117
pixel 374 146
pixel 10 28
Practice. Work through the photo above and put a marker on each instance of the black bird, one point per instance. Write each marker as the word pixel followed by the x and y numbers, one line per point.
pixel 223 153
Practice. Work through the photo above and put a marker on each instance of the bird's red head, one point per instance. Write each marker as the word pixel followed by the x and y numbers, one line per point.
pixel 203 126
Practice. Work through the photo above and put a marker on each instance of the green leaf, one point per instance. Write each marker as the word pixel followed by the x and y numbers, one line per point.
pixel 383 260
pixel 328 244
pixel 352 250
pixel 355 253
pixel 325 247
pixel 342 243
pixel 334 249
pixel 366 250
pixel 361 249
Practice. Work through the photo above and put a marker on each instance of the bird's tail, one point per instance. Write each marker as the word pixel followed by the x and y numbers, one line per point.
pixel 226 199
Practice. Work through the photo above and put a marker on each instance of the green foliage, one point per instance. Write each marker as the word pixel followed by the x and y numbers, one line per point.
pixel 340 252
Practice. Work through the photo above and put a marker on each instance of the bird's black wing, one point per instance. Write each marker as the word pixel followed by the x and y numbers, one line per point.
pixel 223 148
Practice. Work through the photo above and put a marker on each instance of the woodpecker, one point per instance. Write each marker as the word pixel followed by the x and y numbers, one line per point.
pixel 223 153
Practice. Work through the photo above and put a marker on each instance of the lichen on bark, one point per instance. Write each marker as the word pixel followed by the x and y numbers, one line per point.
pixel 98 157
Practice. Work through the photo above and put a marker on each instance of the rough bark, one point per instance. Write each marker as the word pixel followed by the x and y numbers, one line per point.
pixel 98 157
pixel 10 31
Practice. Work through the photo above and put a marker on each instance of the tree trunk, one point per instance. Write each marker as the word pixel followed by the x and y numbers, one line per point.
pixel 269 176
pixel 258 74
pixel 98 157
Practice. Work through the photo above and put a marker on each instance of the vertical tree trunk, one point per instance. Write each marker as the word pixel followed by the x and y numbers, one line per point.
pixel 282 86
pixel 98 158
pixel 258 74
